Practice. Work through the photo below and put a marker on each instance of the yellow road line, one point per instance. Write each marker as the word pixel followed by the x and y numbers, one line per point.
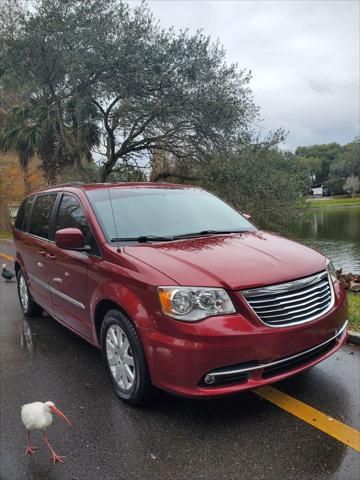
pixel 345 434
pixel 7 257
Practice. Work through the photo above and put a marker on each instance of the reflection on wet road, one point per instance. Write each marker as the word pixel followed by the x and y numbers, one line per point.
pixel 25 336
pixel 240 437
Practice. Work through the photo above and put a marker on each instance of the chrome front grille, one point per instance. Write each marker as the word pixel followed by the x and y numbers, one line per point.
pixel 292 303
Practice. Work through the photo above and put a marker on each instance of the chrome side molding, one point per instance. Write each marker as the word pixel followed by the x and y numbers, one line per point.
pixel 57 292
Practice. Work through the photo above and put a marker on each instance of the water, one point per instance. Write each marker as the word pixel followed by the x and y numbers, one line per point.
pixel 335 232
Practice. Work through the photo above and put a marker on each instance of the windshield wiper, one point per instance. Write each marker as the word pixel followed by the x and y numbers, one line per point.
pixel 206 232
pixel 156 238
pixel 142 239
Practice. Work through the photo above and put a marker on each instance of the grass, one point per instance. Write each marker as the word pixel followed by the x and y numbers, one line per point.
pixel 354 311
pixel 6 235
pixel 333 202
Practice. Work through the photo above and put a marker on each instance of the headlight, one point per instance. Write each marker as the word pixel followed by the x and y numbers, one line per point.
pixel 331 269
pixel 194 303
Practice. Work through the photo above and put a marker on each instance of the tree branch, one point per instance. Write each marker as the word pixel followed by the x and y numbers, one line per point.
pixel 165 175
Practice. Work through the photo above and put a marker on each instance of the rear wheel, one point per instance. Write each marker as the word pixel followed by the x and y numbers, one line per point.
pixel 124 358
pixel 28 306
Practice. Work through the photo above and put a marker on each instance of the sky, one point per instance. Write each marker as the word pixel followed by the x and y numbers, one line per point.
pixel 304 57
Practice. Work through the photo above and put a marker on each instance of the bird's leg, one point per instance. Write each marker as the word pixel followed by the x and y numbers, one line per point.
pixel 29 449
pixel 54 457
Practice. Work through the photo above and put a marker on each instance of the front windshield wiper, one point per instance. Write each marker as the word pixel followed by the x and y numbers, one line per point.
pixel 156 238
pixel 206 232
pixel 142 239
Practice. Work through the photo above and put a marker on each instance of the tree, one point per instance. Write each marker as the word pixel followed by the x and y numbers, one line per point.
pixel 352 185
pixel 12 188
pixel 331 164
pixel 151 88
pixel 26 137
pixel 36 59
pixel 327 153
pixel 253 175
pixel 5 220
pixel 187 104
pixel 259 179
pixel 348 161
pixel 33 127
pixel 314 166
pixel 15 183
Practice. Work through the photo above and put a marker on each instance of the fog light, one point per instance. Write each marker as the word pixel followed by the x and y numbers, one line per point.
pixel 209 379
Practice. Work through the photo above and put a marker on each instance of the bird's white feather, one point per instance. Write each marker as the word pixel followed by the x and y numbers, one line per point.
pixel 36 416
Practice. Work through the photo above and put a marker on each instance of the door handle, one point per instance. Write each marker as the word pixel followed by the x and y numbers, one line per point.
pixel 42 252
pixel 52 257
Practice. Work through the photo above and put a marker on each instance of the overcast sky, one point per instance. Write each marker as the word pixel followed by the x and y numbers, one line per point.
pixel 304 56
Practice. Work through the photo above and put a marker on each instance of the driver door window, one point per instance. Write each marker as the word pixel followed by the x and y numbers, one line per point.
pixel 72 215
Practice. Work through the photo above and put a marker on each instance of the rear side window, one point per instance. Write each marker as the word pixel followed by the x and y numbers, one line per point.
pixel 23 215
pixel 41 215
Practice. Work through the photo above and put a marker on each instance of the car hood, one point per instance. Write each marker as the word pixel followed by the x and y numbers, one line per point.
pixel 235 261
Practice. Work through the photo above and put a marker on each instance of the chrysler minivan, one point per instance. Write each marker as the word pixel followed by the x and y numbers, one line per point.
pixel 178 290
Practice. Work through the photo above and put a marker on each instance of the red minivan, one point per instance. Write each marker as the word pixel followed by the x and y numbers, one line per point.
pixel 178 289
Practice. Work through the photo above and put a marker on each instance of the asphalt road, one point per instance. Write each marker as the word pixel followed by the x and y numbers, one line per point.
pixel 239 437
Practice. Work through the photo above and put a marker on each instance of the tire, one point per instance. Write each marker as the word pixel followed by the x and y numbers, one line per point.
pixel 125 362
pixel 29 307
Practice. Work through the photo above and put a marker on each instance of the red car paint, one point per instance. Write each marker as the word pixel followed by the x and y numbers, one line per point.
pixel 179 354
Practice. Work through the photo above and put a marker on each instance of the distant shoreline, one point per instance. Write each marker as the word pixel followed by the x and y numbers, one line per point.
pixel 333 202
pixel 313 207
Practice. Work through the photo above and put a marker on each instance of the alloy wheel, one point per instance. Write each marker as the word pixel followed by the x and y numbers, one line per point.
pixel 120 357
pixel 23 293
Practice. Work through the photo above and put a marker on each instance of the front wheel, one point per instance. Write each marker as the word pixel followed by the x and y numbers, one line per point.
pixel 28 306
pixel 124 358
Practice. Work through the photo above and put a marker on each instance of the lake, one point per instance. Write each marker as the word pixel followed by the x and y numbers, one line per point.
pixel 335 232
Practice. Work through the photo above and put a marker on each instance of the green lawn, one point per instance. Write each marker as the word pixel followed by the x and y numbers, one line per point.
pixel 354 311
pixel 333 202
pixel 7 235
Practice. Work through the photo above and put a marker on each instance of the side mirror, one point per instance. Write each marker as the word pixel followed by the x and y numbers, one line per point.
pixel 246 215
pixel 70 239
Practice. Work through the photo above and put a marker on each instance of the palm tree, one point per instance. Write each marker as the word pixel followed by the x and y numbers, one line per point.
pixel 30 130
pixel 33 128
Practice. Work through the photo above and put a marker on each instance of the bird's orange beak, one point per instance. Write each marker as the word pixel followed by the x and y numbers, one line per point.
pixel 60 414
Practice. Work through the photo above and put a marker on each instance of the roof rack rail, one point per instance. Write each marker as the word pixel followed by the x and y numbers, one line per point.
pixel 68 184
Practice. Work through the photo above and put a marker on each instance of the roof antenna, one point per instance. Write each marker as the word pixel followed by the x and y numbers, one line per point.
pixel 118 249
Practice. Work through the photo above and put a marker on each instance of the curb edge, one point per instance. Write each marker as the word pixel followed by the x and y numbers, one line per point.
pixel 353 337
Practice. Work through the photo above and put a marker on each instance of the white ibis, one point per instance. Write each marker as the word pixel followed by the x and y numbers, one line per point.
pixel 38 416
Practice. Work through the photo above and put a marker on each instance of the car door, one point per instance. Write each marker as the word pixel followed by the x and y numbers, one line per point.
pixel 69 269
pixel 36 252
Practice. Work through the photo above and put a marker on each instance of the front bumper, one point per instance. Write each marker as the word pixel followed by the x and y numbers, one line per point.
pixel 240 349
pixel 242 372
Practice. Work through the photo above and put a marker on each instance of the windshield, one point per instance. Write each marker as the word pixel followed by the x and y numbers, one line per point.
pixel 130 213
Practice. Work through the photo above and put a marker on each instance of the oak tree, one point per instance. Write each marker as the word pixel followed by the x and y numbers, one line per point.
pixel 134 86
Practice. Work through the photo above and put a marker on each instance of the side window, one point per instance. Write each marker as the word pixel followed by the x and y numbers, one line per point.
pixel 41 215
pixel 23 215
pixel 72 215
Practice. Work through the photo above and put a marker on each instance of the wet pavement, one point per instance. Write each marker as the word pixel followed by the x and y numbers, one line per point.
pixel 239 437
